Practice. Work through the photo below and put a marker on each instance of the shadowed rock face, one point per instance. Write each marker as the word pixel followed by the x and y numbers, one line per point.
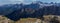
pixel 17 14
pixel 53 10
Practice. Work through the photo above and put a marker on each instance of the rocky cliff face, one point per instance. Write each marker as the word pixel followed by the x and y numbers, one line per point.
pixel 47 19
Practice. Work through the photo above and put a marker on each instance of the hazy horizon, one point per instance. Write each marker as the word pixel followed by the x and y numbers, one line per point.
pixel 25 1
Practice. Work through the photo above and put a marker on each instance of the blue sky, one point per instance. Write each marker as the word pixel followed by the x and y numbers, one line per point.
pixel 24 1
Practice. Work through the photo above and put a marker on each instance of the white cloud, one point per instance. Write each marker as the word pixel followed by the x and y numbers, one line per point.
pixel 15 1
pixel 10 1
pixel 23 1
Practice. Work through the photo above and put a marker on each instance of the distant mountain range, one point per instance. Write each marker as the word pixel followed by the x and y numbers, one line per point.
pixel 35 9
pixel 35 5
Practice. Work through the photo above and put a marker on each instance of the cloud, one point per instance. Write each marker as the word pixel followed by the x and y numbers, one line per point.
pixel 24 1
pixel 15 1
pixel 50 1
pixel 10 1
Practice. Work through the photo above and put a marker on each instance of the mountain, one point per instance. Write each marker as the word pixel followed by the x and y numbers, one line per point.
pixel 6 9
pixel 33 10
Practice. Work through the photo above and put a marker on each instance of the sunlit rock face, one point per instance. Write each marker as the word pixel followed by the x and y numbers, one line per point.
pixel 47 19
pixel 51 19
pixel 4 19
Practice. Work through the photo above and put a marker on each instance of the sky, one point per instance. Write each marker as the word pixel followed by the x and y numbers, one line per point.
pixel 24 1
